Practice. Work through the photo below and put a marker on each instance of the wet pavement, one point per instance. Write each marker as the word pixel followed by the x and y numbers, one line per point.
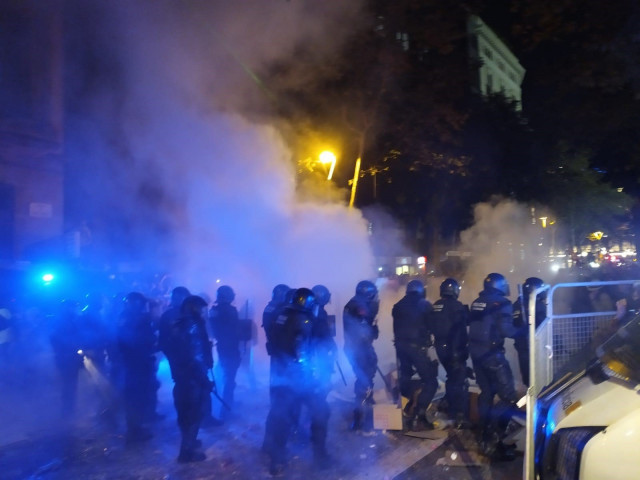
pixel 36 444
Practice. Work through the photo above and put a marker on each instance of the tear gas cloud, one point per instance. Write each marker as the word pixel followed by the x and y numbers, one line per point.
pixel 174 158
pixel 191 170
pixel 502 239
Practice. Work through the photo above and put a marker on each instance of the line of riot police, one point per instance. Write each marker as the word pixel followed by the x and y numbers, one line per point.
pixel 300 342
pixel 458 333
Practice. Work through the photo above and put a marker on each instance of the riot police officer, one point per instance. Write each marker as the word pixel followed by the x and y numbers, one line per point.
pixel 170 315
pixel 272 310
pixel 67 342
pixel 360 330
pixel 225 327
pixel 293 381
pixel 137 345
pixel 448 322
pixel 490 323
pixel 189 353
pixel 521 322
pixel 412 340
pixel 325 347
pixel 94 331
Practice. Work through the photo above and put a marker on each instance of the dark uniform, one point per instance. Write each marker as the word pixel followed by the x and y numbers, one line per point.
pixel 448 322
pixel 269 317
pixel 225 327
pixel 272 310
pixel 137 345
pixel 95 345
pixel 489 323
pixel 293 381
pixel 94 331
pixel 360 330
pixel 521 322
pixel 412 341
pixel 170 315
pixel 66 342
pixel 189 353
pixel 325 348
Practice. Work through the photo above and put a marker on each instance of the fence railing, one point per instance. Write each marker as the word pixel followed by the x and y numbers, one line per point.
pixel 559 340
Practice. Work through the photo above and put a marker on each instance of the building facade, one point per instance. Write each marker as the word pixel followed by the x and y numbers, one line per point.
pixel 31 128
pixel 499 70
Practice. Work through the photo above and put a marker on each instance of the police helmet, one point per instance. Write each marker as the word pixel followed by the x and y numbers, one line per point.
pixel 135 301
pixel 322 293
pixel 416 286
pixel 225 294
pixel 366 289
pixel 304 299
pixel 279 292
pixel 193 305
pixel 531 284
pixel 450 288
pixel 178 295
pixel 288 297
pixel 497 281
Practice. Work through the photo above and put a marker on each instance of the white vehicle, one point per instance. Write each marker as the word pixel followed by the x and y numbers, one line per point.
pixel 586 424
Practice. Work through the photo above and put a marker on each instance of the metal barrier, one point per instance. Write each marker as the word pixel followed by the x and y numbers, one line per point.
pixel 555 343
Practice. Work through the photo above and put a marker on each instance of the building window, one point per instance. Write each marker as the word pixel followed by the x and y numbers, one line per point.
pixel 488 53
pixel 489 83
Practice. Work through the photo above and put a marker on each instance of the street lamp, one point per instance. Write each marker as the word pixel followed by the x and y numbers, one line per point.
pixel 354 182
pixel 328 157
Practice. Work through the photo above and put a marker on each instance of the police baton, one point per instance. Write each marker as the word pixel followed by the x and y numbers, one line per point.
pixel 215 392
pixel 386 383
pixel 341 374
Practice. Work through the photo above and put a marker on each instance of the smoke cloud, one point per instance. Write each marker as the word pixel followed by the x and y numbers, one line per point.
pixel 502 239
pixel 183 159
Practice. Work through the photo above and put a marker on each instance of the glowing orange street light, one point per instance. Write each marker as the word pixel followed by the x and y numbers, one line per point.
pixel 328 157
pixel 354 183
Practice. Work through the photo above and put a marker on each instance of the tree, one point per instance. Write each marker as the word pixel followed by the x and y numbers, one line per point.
pixel 582 202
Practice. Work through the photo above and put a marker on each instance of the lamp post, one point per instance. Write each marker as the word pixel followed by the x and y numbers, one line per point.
pixel 354 182
pixel 328 157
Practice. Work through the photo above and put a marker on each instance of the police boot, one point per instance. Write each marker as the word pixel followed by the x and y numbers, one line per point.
pixel 504 452
pixel 462 423
pixel 321 458
pixel 137 435
pixel 367 421
pixel 276 469
pixel 421 422
pixel 356 424
pixel 187 456
pixel 489 443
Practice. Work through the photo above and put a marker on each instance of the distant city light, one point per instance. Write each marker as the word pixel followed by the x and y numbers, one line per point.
pixel 555 267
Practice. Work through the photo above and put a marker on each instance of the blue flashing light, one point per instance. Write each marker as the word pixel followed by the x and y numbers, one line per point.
pixel 550 427
pixel 47 277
